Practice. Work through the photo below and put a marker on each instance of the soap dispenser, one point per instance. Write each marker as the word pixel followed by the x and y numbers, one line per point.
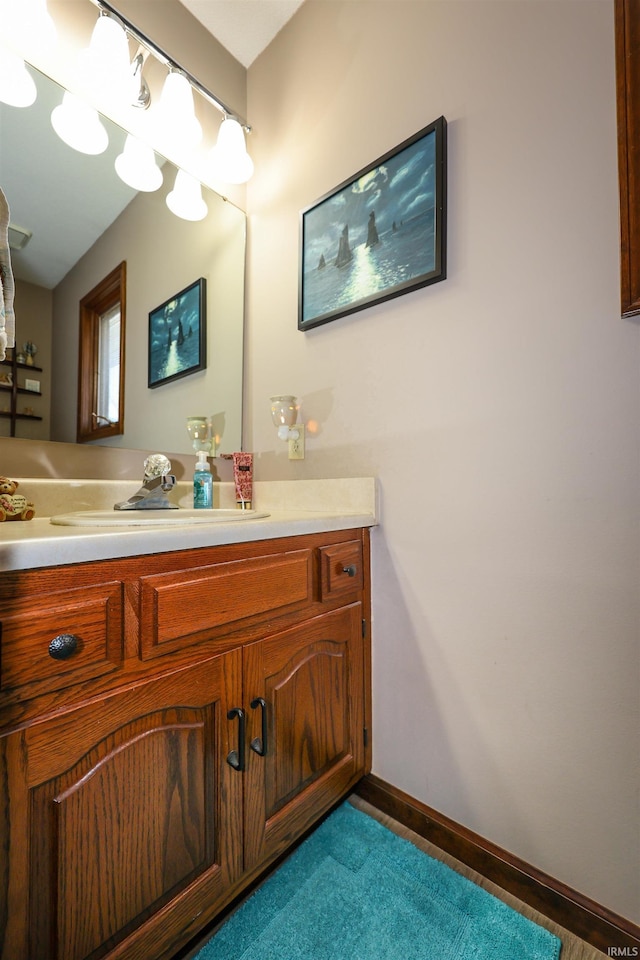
pixel 202 483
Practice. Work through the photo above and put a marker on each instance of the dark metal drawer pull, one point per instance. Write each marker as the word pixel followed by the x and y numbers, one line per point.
pixel 235 758
pixel 351 570
pixel 259 745
pixel 63 646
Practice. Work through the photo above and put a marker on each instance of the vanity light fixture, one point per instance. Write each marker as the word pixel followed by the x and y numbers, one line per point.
pixel 137 167
pixel 185 200
pixel 105 76
pixel 230 161
pixel 79 125
pixel 108 76
pixel 175 118
pixel 284 413
pixel 141 93
pixel 28 21
pixel 104 68
pixel 17 86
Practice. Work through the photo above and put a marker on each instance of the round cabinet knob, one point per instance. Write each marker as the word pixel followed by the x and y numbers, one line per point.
pixel 63 646
pixel 351 570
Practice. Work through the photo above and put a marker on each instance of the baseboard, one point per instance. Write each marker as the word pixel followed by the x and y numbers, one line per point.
pixel 590 921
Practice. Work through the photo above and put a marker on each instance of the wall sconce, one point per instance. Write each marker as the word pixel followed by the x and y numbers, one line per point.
pixel 198 430
pixel 284 413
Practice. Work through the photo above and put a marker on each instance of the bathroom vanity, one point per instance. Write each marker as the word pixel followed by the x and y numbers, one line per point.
pixel 171 722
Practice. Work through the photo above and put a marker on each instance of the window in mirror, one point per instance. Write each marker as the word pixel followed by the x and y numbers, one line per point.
pixel 101 359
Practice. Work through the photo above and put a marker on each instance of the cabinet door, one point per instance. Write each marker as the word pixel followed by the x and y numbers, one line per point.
pixel 130 819
pixel 310 679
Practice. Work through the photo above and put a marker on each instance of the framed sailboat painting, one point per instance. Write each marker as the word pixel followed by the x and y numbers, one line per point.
pixel 177 335
pixel 380 234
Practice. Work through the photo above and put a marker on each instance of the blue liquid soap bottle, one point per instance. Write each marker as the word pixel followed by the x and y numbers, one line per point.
pixel 202 483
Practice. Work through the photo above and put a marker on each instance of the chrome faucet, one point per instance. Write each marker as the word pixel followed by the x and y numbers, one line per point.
pixel 156 484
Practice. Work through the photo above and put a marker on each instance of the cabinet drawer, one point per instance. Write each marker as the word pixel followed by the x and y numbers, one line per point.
pixel 91 616
pixel 179 608
pixel 341 570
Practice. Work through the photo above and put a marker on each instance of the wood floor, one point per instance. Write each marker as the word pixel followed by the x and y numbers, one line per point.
pixel 572 947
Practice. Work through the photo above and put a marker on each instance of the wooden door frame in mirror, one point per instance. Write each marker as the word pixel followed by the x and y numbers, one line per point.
pixel 627 33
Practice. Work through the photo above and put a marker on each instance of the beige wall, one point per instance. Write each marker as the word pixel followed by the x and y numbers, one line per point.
pixel 498 409
pixel 34 305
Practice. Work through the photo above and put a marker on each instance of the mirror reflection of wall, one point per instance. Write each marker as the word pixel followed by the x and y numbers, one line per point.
pixel 164 254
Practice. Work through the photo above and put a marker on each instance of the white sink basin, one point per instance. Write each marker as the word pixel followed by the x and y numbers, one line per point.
pixel 153 518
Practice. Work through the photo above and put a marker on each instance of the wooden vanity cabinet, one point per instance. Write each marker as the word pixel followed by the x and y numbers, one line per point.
pixel 120 813
pixel 310 680
pixel 212 705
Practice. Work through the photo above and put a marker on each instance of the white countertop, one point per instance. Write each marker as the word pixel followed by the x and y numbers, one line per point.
pixel 294 507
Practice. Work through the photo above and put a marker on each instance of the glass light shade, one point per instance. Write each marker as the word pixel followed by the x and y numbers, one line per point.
pixel 198 430
pixel 284 411
pixel 29 22
pixel 105 67
pixel 185 200
pixel 230 161
pixel 17 86
pixel 79 125
pixel 43 24
pixel 137 167
pixel 175 118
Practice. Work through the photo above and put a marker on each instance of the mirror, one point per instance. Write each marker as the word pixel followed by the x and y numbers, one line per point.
pixel 82 228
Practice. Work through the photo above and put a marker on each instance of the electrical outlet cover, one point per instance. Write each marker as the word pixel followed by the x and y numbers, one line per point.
pixel 296 447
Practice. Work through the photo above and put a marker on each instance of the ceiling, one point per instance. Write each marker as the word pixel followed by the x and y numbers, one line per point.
pixel 243 27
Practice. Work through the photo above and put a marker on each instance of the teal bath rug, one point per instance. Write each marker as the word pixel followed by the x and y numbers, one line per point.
pixel 354 890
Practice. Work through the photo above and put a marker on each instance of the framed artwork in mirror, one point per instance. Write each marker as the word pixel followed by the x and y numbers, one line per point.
pixel 177 335
pixel 378 235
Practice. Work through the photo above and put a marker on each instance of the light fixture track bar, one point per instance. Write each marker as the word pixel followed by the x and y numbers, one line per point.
pixel 170 62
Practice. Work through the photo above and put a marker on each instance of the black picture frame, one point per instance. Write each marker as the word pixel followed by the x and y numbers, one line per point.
pixel 178 335
pixel 379 234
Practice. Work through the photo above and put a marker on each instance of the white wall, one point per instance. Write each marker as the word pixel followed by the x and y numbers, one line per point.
pixel 498 409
